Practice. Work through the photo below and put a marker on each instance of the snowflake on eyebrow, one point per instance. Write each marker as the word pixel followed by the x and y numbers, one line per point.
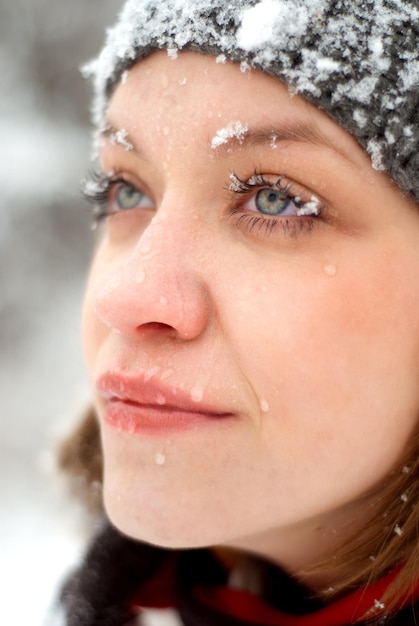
pixel 233 129
pixel 120 137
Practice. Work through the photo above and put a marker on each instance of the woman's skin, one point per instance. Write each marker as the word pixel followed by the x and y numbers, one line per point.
pixel 255 375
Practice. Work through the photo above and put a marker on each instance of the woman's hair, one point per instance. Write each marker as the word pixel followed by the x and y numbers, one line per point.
pixel 388 540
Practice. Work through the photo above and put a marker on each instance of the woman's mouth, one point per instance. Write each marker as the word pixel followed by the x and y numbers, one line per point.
pixel 136 406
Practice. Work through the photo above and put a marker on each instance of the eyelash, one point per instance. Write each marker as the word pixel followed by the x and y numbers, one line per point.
pixel 311 210
pixel 97 186
pixel 95 189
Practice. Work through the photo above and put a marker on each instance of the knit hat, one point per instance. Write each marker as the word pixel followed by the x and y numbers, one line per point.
pixel 356 59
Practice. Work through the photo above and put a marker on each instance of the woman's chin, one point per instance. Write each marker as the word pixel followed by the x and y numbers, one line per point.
pixel 165 527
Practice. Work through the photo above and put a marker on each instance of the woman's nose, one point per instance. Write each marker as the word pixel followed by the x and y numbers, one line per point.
pixel 157 287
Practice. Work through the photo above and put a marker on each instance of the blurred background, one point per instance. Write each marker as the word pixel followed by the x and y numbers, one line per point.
pixel 45 246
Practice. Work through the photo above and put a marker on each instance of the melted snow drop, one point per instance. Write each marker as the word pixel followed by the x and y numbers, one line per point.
pixel 235 130
pixel 161 400
pixel 264 405
pixel 166 374
pixel 116 331
pixel 163 301
pixel 145 247
pixel 153 371
pixel 151 255
pixel 160 458
pixel 330 269
pixel 197 393
pixel 140 275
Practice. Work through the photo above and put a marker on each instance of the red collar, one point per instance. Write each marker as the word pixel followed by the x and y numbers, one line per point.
pixel 351 609
pixel 253 610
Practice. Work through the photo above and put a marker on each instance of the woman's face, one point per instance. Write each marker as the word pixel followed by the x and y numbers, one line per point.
pixel 251 320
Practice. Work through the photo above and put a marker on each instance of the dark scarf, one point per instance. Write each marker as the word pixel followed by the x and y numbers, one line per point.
pixel 119 575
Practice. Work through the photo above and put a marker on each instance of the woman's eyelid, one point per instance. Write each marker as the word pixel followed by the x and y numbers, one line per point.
pixel 130 180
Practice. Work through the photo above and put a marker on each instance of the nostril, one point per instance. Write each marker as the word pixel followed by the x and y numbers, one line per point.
pixel 155 326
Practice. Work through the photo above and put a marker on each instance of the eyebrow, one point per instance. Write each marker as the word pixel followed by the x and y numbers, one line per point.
pixel 296 131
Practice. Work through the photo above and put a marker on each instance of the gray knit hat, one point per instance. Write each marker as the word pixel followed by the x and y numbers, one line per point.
pixel 356 59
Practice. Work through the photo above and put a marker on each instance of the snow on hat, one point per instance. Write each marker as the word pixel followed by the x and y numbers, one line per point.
pixel 356 59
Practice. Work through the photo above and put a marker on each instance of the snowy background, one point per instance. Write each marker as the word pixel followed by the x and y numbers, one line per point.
pixel 45 245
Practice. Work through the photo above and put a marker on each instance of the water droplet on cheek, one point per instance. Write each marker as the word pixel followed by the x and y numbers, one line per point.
pixel 197 394
pixel 160 458
pixel 264 405
pixel 330 269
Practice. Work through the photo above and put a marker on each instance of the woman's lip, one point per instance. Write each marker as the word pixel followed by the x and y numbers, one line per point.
pixel 150 419
pixel 136 405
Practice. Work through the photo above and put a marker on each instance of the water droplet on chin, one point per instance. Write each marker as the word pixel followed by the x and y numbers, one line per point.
pixel 160 458
pixel 330 269
pixel 197 393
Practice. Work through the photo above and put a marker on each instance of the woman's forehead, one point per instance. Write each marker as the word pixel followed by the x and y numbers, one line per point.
pixel 194 91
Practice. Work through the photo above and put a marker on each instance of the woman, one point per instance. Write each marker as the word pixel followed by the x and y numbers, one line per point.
pixel 250 323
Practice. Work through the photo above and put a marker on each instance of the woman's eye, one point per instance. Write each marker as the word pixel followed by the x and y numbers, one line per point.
pixel 125 196
pixel 280 198
pixel 272 202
